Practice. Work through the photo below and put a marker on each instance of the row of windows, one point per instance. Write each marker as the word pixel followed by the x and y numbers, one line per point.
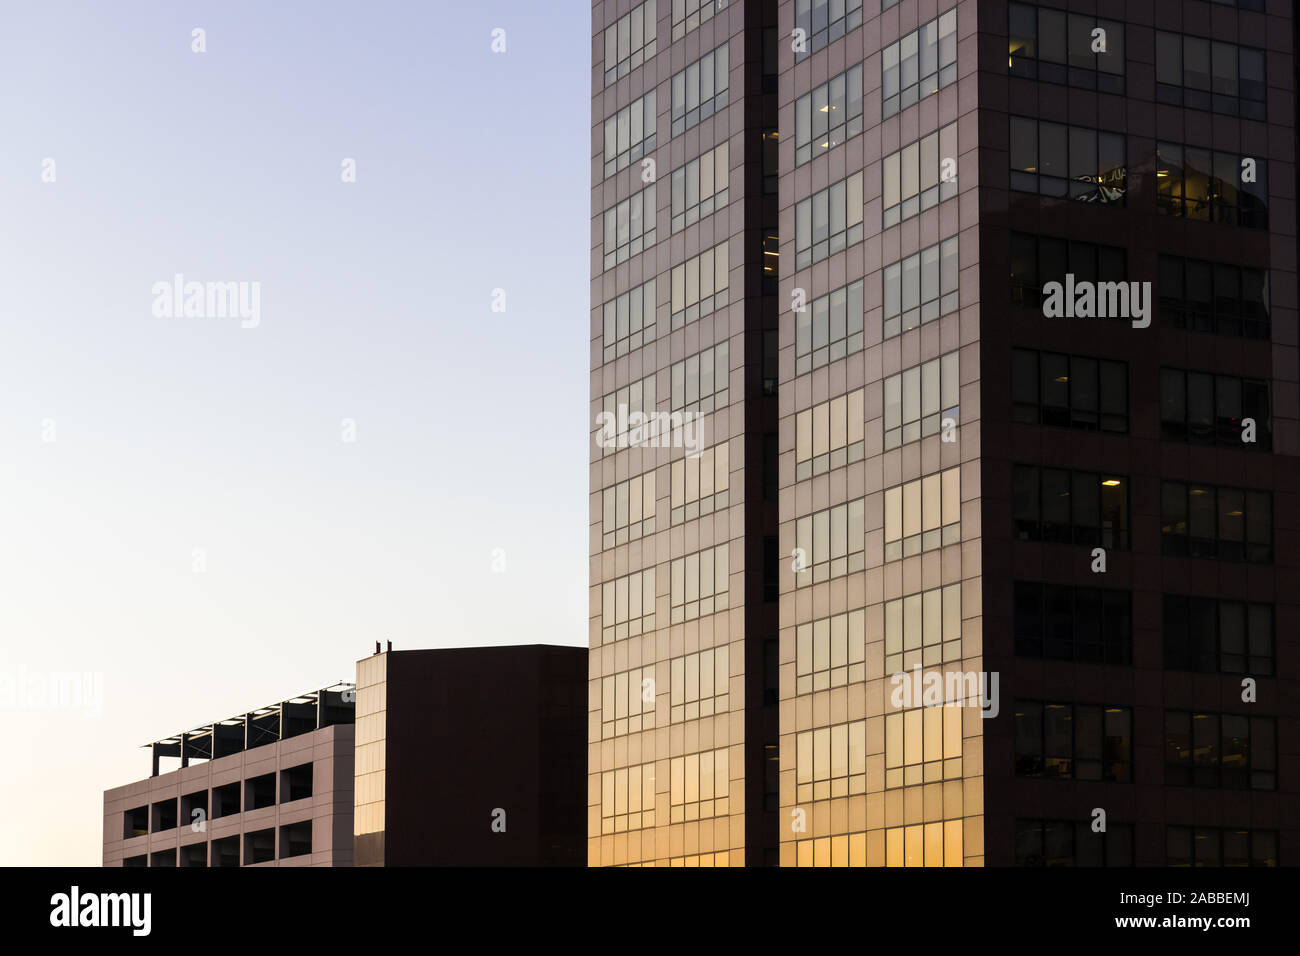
pixel 1220 846
pixel 700 383
pixel 1058 47
pixel 830 543
pixel 630 133
pixel 1220 750
pixel 1213 297
pixel 701 485
pixel 629 321
pixel 828 221
pixel 1211 186
pixel 829 435
pixel 700 786
pixel 822 22
pixel 1069 391
pixel 700 188
pixel 1209 75
pixel 919 64
pixel 627 605
pixel 700 584
pixel 828 328
pixel 1038 260
pixel 627 702
pixel 1070 507
pixel 630 227
pixel 1072 162
pixel 921 844
pixel 831 762
pixel 628 510
pixel 689 14
pixel 1075 843
pixel 1204 521
pixel 258 847
pixel 1066 623
pixel 828 115
pixel 923 629
pixel 701 683
pixel 636 398
pixel 920 175
pixel 918 400
pixel 920 288
pixel 923 515
pixel 922 746
pixel 1217 636
pixel 1209 409
pixel 700 285
pixel 1074 741
pixel 630 41
pixel 700 90
pixel 830 652
pixel 627 798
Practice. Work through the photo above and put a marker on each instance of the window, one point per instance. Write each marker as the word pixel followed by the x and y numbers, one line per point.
pixel 924 844
pixel 701 786
pixel 828 115
pixel 920 288
pixel 1208 409
pixel 831 762
pixel 628 510
pixel 624 707
pixel 1216 636
pixel 1038 260
pixel 630 133
pixel 630 227
pixel 1068 162
pixel 259 847
pixel 689 14
pixel 1057 47
pixel 700 684
pixel 1213 297
pixel 1208 75
pixel 700 583
pixel 700 90
pixel 1058 506
pixel 629 321
pixel 1215 846
pixel 1069 391
pixel 164 812
pixel 923 629
pixel 831 543
pixel 630 41
pixel 135 822
pixel 828 328
pixel 1211 186
pixel 701 484
pixel 1204 521
pixel 295 839
pixel 828 435
pixel 700 383
pixel 1220 750
pixel 823 22
pixel 628 605
pixel 923 515
pixel 1065 623
pixel 919 399
pixel 1074 741
pixel 635 399
pixel 922 746
pixel 700 285
pixel 829 221
pixel 627 798
pixel 921 63
pixel 830 652
pixel 1072 843
pixel 920 176
pixel 295 783
pixel 771 160
pixel 700 188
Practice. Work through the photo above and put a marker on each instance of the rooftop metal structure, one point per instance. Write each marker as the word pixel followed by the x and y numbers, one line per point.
pixel 335 704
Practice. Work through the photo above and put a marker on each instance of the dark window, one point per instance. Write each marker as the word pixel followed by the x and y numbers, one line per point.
pixel 1058 47
pixel 1205 521
pixel 259 847
pixel 1064 507
pixel 771 262
pixel 1072 843
pixel 1070 391
pixel 1069 162
pixel 260 792
pixel 1062 622
pixel 164 815
pixel 225 852
pixel 296 783
pixel 1210 75
pixel 1038 260
pixel 1074 741
pixel 295 839
pixel 163 858
pixel 1209 409
pixel 1218 636
pixel 771 161
pixel 1209 186
pixel 1213 846
pixel 1220 750
pixel 135 822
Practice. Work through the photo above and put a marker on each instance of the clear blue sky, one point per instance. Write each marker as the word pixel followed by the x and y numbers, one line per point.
pixel 176 434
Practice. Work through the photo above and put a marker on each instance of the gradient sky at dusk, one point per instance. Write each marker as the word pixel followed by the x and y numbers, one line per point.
pixel 176 434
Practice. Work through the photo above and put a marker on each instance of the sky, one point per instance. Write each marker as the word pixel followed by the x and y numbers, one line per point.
pixel 201 514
